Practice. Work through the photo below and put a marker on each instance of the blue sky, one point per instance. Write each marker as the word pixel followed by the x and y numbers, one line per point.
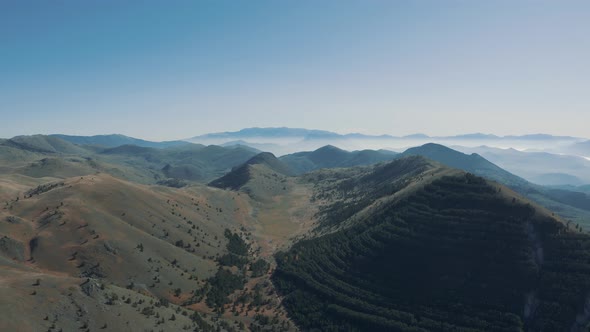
pixel 175 69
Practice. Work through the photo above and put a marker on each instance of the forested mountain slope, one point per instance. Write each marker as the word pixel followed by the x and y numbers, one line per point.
pixel 330 157
pixel 456 253
pixel 571 205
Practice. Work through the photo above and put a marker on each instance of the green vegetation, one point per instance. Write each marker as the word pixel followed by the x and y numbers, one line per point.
pixel 236 244
pixel 233 260
pixel 40 189
pixel 170 163
pixel 111 141
pixel 397 246
pixel 569 204
pixel 332 157
pixel 351 190
pixel 225 282
pixel 222 285
pixel 454 256
pixel 174 183
pixel 239 176
pixel 259 268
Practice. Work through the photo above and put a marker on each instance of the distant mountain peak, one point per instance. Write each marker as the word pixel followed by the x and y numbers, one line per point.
pixel 418 135
pixel 432 147
pixel 476 136
pixel 265 132
pixel 242 174
pixel 330 156
pixel 317 133
pixel 329 147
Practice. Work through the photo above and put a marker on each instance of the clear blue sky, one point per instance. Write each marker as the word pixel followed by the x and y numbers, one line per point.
pixel 175 69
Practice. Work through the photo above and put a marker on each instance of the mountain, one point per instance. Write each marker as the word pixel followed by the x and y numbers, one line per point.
pixel 580 149
pixel 134 150
pixel 476 136
pixel 59 168
pixel 451 251
pixel 43 144
pixel 330 156
pixel 414 136
pixel 269 160
pixel 12 155
pixel 538 167
pixel 279 141
pixel 96 252
pixel 577 210
pixel 266 132
pixel 110 240
pixel 239 143
pixel 264 167
pixel 541 137
pixel 99 252
pixel 188 162
pixel 48 156
pixel 114 140
pixel 282 132
pixel 282 141
pixel 473 163
pixel 557 179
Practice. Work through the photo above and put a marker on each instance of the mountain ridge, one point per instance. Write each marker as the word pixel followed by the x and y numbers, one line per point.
pixel 370 275
pixel 302 132
pixel 114 140
pixel 331 240
pixel 330 156
pixel 242 174
pixel 577 210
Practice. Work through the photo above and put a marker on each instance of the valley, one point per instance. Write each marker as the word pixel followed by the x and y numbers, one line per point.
pixel 111 239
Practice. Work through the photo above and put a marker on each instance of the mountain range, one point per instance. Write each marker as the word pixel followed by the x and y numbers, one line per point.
pixel 280 132
pixel 282 141
pixel 115 140
pixel 543 168
pixel 549 160
pixel 182 236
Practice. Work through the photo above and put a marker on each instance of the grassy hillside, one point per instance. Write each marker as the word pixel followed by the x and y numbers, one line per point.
pixel 111 141
pixel 44 144
pixel 139 247
pixel 48 302
pixel 12 155
pixel 50 156
pixel 189 162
